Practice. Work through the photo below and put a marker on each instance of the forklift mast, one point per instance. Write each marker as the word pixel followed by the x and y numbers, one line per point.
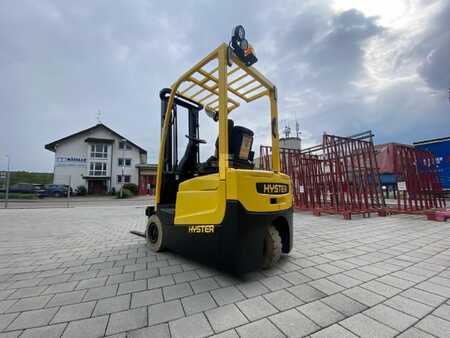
pixel 170 175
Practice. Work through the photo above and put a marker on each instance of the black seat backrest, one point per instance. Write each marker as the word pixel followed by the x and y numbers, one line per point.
pixel 188 163
pixel 241 143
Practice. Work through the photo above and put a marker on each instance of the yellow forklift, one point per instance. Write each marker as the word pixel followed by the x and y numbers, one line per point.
pixel 221 211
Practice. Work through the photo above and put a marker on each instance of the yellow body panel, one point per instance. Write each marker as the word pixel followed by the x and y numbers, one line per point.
pixel 202 200
pixel 241 186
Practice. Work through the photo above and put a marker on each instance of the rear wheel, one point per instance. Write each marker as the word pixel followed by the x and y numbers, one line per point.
pixel 272 247
pixel 155 234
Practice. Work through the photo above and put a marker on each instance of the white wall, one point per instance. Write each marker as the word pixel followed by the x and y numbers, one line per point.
pixel 76 147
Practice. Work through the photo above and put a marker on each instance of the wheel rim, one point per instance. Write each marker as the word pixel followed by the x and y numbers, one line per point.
pixel 153 233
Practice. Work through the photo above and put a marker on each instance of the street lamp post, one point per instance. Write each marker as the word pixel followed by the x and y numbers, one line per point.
pixel 7 183
pixel 124 144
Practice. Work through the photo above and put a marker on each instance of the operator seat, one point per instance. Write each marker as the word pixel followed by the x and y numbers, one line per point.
pixel 240 140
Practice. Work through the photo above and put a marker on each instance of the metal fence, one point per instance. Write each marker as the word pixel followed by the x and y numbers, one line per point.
pixel 339 176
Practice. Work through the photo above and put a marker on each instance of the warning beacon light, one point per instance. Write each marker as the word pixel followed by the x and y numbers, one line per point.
pixel 241 47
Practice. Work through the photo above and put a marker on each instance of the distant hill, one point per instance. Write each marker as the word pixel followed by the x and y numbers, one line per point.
pixel 30 177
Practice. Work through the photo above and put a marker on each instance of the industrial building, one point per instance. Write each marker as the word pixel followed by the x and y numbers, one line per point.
pixel 101 159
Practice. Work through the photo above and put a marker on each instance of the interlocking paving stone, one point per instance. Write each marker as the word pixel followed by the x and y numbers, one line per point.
pixel 92 327
pixel 381 288
pixel 67 298
pixel 295 277
pixel 409 306
pixel 60 287
pixel 158 282
pixel 256 308
pixel 275 283
pixel 435 325
pixel 128 287
pixel 198 303
pixel 293 323
pixel 91 283
pixel 100 292
pixel 282 300
pixel 159 331
pixel 205 284
pixel 113 304
pixel 164 312
pixel 333 331
pixel 364 326
pixel 227 295
pixel 73 312
pixel 391 317
pixel 259 329
pixel 177 291
pixel 252 288
pixel 321 313
pixel 127 320
pixel 5 304
pixel 192 326
pixel 423 296
pixel 364 296
pixel 51 331
pixel 25 292
pixel 116 279
pixel 147 297
pixel 413 332
pixel 326 286
pixel 31 303
pixel 225 317
pixel 443 311
pixel 306 292
pixel 344 304
pixel 344 280
pixel 32 319
pixel 5 320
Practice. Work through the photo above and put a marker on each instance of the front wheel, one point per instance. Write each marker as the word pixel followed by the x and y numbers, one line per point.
pixel 155 234
pixel 272 247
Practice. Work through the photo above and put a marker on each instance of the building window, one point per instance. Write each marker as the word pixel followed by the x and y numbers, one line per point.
pixel 126 178
pixel 99 150
pixel 124 145
pixel 97 169
pixel 127 162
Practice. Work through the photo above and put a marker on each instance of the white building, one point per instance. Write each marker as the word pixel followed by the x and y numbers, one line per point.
pixel 97 158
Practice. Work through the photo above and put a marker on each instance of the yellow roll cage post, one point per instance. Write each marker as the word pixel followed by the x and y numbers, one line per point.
pixel 248 85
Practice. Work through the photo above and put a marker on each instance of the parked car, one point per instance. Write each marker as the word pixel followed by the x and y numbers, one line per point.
pixel 58 190
pixel 29 188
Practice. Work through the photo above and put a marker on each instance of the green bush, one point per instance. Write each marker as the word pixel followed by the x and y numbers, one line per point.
pixel 81 190
pixel 125 194
pixel 131 187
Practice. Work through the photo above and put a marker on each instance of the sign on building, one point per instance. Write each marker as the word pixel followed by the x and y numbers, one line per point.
pixel 71 161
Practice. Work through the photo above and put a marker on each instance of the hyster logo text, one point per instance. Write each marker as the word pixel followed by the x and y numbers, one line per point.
pixel 272 188
pixel 201 229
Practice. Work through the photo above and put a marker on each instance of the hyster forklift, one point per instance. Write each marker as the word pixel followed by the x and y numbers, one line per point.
pixel 220 211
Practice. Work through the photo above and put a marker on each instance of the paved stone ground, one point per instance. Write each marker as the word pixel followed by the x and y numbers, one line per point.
pixel 78 273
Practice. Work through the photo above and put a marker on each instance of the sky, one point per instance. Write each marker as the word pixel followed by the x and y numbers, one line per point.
pixel 340 67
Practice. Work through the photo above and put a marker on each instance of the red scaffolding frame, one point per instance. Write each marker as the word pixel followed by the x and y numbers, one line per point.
pixel 340 176
pixel 418 184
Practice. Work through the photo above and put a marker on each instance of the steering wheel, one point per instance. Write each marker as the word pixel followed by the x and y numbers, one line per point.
pixel 195 140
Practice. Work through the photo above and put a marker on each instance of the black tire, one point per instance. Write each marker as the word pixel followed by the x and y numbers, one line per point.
pixel 272 247
pixel 154 234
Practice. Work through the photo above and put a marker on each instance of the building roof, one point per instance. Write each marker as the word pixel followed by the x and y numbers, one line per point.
pixel 433 140
pixel 51 146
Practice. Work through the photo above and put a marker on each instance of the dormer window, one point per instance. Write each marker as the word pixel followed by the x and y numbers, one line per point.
pixel 124 145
